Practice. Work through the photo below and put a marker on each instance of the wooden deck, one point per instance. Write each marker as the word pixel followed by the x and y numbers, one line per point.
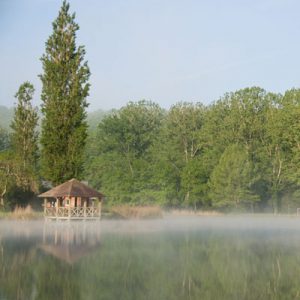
pixel 73 213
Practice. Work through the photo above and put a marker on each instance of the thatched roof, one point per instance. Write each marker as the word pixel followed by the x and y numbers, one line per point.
pixel 72 188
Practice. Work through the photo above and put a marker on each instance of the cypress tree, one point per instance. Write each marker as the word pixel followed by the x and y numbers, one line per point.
pixel 64 92
pixel 25 136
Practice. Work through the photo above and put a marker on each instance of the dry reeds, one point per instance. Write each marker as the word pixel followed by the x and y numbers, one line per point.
pixel 137 212
pixel 186 212
pixel 21 213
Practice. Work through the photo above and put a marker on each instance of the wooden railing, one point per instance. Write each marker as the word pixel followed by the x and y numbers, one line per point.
pixel 72 212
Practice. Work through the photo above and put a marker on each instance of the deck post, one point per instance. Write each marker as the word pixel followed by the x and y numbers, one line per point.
pixel 45 206
pixel 99 208
pixel 56 209
pixel 69 212
pixel 84 209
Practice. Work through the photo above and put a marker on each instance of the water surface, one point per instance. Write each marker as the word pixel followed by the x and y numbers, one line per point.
pixel 173 258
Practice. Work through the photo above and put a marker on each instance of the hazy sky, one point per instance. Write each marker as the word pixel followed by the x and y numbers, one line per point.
pixel 165 51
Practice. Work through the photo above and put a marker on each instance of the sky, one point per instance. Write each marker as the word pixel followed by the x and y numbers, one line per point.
pixel 165 51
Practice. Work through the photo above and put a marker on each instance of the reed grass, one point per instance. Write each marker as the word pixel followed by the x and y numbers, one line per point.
pixel 24 213
pixel 190 212
pixel 137 212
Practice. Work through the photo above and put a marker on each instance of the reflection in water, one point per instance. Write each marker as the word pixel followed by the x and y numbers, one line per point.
pixel 199 258
pixel 37 258
pixel 70 241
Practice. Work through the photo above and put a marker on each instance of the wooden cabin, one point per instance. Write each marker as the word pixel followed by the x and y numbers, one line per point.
pixel 72 200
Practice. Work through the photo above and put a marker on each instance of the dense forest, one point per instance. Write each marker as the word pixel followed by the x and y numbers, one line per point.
pixel 241 152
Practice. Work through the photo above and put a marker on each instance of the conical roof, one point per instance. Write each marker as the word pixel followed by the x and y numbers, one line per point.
pixel 72 188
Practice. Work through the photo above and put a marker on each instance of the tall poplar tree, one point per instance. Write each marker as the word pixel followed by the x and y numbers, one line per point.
pixel 64 93
pixel 24 137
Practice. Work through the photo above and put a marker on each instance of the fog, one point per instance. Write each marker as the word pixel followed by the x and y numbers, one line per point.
pixel 11 228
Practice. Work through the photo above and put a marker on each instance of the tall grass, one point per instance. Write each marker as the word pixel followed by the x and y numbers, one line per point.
pixel 189 212
pixel 24 213
pixel 137 212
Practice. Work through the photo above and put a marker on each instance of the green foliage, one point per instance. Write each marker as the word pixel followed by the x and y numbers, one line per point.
pixel 25 137
pixel 194 178
pixel 119 163
pixel 251 118
pixel 289 121
pixel 64 92
pixel 4 139
pixel 13 192
pixel 238 153
pixel 178 150
pixel 231 180
pixel 6 175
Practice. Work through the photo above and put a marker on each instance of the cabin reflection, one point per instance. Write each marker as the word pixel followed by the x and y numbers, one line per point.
pixel 70 242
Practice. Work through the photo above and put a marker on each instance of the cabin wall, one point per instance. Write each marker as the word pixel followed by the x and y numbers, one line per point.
pixel 75 201
pixel 70 202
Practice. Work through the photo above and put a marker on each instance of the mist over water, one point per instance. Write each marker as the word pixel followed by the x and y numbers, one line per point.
pixel 232 257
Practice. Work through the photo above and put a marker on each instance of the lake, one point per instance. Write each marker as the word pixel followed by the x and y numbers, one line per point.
pixel 234 257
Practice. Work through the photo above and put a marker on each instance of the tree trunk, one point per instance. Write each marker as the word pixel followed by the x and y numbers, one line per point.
pixel 275 203
pixel 2 195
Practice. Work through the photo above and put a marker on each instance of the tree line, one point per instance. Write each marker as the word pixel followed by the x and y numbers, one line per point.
pixel 238 153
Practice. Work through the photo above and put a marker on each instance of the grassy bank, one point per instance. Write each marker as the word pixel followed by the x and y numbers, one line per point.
pixel 21 213
pixel 111 212
pixel 126 211
pixel 135 212
pixel 152 212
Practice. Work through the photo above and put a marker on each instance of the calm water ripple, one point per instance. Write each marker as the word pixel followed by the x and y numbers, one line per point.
pixel 236 257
